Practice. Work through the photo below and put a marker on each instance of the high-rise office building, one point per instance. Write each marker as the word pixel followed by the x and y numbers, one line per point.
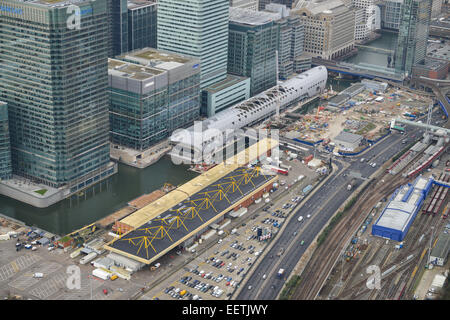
pixel 198 28
pixel 329 28
pixel 367 18
pixel 132 25
pixel 118 26
pixel 413 34
pixel 5 146
pixel 152 93
pixel 142 17
pixel 252 47
pixel 391 11
pixel 290 40
pixel 54 77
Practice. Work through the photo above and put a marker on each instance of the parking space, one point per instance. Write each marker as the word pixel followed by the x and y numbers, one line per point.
pixel 219 271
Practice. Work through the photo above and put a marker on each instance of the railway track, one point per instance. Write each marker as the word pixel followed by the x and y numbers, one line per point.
pixel 317 269
pixel 424 222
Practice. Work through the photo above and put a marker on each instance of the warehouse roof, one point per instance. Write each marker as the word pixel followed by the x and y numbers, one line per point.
pixel 442 246
pixel 403 205
pixel 191 215
pixel 193 186
pixel 348 137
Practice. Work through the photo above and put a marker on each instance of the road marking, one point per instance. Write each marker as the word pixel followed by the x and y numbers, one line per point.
pixel 15 266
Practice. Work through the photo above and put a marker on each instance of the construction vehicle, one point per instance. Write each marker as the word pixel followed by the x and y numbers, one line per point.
pixel 114 277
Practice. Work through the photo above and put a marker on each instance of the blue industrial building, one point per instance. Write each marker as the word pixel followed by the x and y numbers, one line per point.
pixel 401 210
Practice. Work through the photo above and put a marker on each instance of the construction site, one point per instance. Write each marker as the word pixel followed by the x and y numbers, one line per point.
pixel 394 226
pixel 364 109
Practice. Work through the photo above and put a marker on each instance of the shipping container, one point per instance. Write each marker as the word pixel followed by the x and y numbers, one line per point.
pixel 102 274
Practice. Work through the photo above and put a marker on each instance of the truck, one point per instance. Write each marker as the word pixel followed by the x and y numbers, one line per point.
pixel 283 166
pixel 351 184
pixel 280 273
pixel 102 274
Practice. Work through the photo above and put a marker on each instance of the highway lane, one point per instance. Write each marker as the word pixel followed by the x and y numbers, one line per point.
pixel 322 205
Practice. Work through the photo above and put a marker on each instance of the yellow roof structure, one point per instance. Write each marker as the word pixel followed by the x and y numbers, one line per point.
pixel 154 209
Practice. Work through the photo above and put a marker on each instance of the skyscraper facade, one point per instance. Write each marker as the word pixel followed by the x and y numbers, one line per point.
pixel 290 40
pixel 197 28
pixel 53 75
pixel 413 34
pixel 142 17
pixel 118 26
pixel 152 93
pixel 252 47
pixel 5 147
pixel 329 28
pixel 390 13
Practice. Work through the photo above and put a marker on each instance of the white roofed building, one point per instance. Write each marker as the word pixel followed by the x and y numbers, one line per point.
pixel 398 215
pixel 202 138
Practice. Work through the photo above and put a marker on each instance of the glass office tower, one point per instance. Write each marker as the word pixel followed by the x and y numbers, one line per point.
pixel 252 47
pixel 54 77
pixel 198 28
pixel 118 26
pixel 141 24
pixel 152 94
pixel 5 147
pixel 413 34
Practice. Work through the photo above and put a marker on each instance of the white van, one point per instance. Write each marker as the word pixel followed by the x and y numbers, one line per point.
pixel 38 275
pixel 300 219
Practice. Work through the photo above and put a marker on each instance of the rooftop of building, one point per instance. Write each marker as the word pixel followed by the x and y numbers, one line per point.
pixel 432 64
pixel 353 89
pixel 157 58
pixel 189 216
pixel 181 213
pixel 131 70
pixel 136 4
pixel 348 137
pixel 442 246
pixel 339 99
pixel 229 81
pixel 316 7
pixel 403 204
pixel 191 187
pixel 443 22
pixel 251 17
pixel 439 50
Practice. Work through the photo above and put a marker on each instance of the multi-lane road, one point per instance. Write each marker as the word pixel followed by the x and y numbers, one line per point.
pixel 321 206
